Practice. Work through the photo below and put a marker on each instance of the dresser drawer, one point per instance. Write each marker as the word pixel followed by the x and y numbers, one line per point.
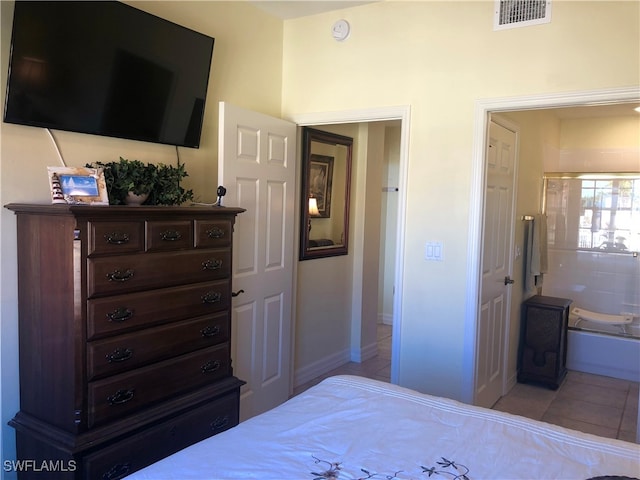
pixel 126 273
pixel 122 313
pixel 170 235
pixel 213 233
pixel 151 445
pixel 125 393
pixel 115 237
pixel 125 352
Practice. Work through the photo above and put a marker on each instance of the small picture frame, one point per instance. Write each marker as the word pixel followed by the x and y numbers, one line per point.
pixel 78 186
pixel 320 180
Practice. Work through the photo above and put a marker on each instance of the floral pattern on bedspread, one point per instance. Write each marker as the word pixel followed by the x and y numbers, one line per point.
pixel 459 471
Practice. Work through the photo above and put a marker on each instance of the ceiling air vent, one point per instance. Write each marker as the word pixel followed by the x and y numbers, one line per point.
pixel 521 13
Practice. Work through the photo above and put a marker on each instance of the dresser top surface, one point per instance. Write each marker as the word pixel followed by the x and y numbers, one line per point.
pixel 105 211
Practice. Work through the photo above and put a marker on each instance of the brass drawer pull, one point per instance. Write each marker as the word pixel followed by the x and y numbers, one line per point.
pixel 215 264
pixel 210 366
pixel 215 232
pixel 119 470
pixel 219 423
pixel 212 297
pixel 210 331
pixel 119 355
pixel 170 235
pixel 115 238
pixel 120 314
pixel 119 276
pixel 120 397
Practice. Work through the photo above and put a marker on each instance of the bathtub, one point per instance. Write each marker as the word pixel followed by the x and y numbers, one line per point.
pixel 605 354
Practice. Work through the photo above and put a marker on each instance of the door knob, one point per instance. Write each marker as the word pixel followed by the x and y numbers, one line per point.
pixel 235 294
pixel 508 280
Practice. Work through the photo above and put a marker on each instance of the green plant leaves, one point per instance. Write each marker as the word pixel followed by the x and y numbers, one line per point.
pixel 161 182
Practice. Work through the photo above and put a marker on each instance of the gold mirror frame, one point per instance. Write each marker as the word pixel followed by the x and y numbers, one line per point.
pixel 326 187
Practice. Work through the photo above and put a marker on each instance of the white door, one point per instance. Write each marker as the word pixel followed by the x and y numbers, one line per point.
pixel 497 245
pixel 257 166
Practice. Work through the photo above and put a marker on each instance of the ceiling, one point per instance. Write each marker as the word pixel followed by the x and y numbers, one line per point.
pixel 303 8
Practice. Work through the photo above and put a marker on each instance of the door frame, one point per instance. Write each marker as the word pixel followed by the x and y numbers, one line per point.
pixel 482 111
pixel 402 113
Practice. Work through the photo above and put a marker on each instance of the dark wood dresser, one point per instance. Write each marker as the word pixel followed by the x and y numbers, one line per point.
pixel 124 333
pixel 543 341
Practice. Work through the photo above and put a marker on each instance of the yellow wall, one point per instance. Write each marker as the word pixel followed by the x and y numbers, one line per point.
pixel 324 291
pixel 246 71
pixel 440 58
pixel 248 46
pixel 608 144
pixel 606 132
pixel 367 205
pixel 388 230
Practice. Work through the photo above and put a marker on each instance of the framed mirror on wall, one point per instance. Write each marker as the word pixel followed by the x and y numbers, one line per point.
pixel 326 187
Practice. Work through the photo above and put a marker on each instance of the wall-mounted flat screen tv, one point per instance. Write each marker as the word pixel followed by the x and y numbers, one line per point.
pixel 106 68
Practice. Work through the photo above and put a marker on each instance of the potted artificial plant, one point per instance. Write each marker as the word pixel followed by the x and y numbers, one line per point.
pixel 166 188
pixel 136 182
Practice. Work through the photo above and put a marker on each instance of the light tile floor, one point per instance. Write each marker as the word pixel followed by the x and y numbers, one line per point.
pixel 590 403
pixel 595 404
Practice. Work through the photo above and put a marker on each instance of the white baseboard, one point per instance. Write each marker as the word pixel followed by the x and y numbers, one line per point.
pixel 385 318
pixel 365 353
pixel 308 373
pixel 321 367
pixel 511 382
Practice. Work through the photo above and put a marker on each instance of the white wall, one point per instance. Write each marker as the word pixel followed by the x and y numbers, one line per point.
pixel 441 58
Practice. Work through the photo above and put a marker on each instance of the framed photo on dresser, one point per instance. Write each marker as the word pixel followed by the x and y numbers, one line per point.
pixel 78 186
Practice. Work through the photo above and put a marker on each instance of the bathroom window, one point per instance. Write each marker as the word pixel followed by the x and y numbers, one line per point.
pixel 589 212
pixel 607 213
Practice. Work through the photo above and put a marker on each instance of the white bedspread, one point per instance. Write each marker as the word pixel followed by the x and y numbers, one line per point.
pixel 352 427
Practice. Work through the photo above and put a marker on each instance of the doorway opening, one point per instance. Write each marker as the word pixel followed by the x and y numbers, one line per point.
pixel 484 108
pixel 400 115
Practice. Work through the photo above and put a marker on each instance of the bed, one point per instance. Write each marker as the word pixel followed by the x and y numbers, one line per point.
pixel 349 427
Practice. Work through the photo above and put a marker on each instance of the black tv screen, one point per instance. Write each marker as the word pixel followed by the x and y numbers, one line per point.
pixel 106 68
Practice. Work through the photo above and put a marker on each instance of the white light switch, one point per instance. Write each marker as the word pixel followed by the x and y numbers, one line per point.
pixel 433 251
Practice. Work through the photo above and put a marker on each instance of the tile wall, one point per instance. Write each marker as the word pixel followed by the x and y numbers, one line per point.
pixel 602 282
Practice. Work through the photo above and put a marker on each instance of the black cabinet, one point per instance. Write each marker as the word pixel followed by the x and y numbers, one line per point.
pixel 543 341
